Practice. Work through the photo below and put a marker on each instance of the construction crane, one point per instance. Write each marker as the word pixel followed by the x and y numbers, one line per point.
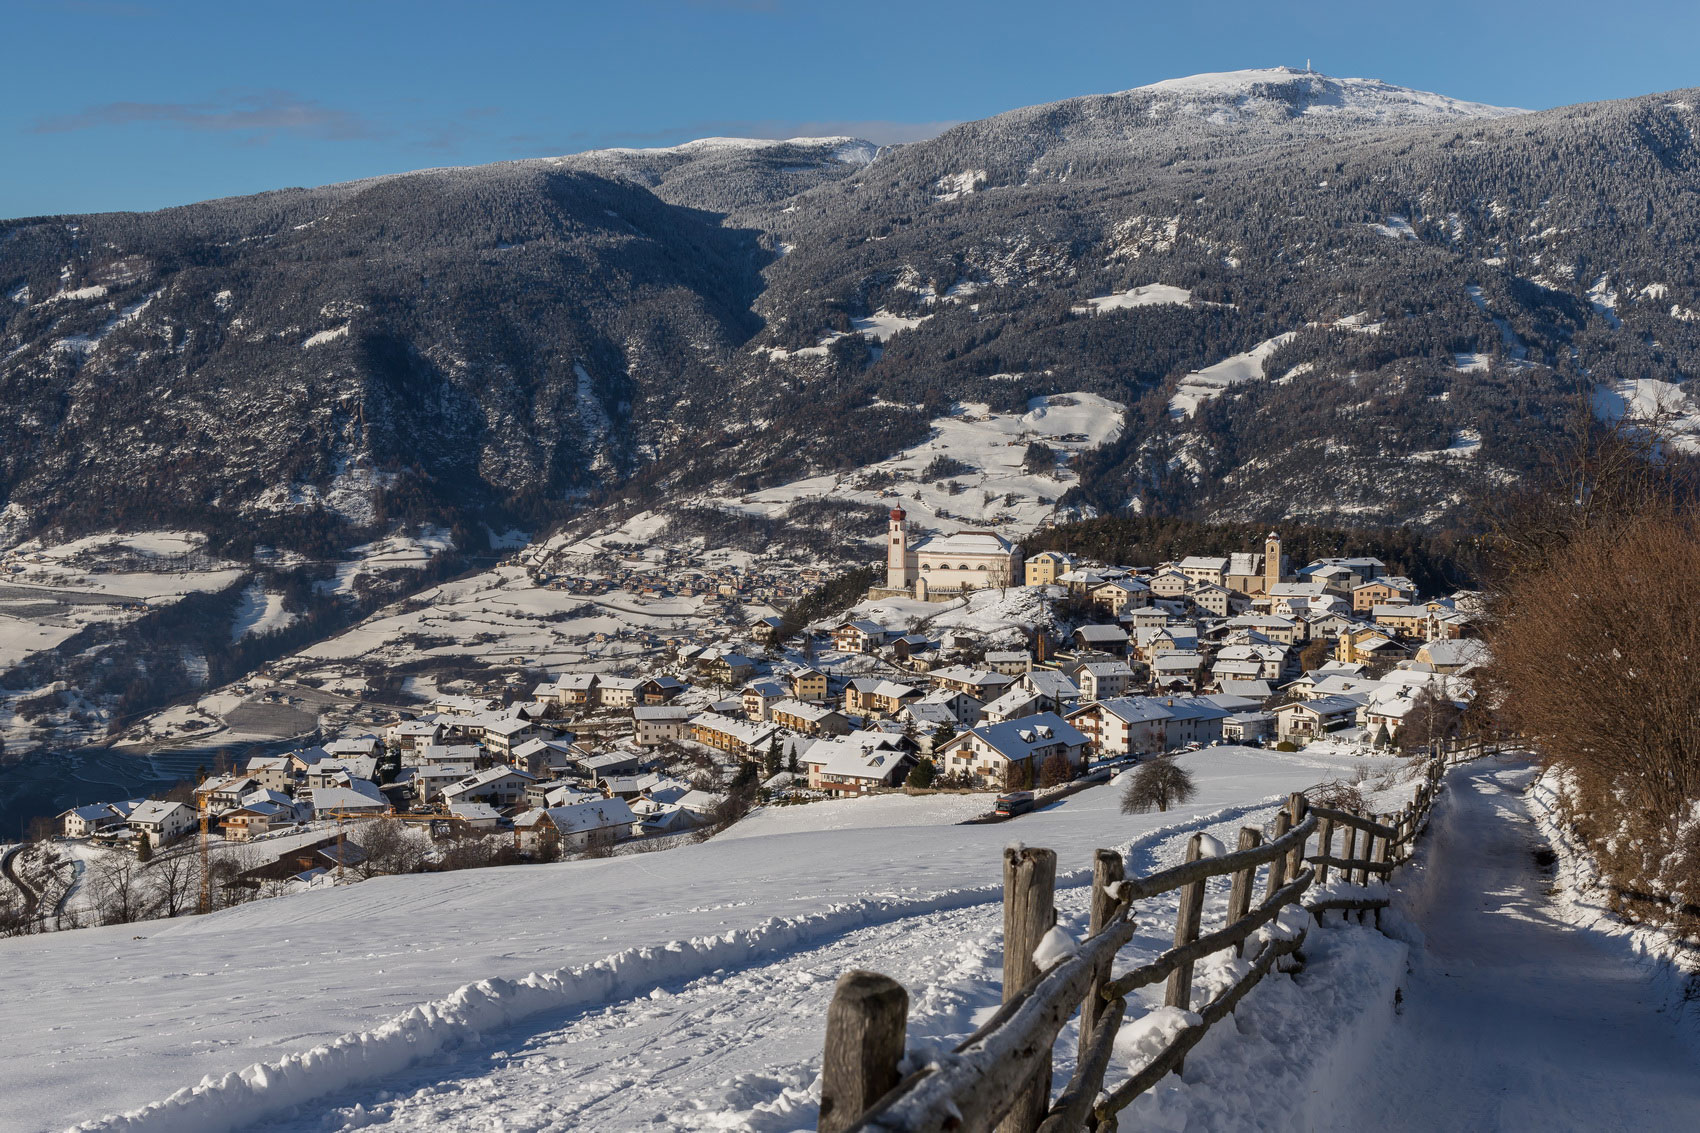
pixel 205 905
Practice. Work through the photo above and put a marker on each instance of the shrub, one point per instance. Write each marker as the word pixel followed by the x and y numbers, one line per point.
pixel 921 775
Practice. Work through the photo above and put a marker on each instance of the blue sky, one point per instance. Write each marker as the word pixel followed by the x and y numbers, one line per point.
pixel 136 104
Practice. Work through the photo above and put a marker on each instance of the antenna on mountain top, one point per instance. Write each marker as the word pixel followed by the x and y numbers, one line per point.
pixel 1307 66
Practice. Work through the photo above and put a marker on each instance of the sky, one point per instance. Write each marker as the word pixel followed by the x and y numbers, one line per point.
pixel 142 104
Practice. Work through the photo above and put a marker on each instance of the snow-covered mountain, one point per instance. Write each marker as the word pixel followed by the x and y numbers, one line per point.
pixel 1286 93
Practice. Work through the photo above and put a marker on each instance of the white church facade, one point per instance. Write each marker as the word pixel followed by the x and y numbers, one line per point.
pixel 948 564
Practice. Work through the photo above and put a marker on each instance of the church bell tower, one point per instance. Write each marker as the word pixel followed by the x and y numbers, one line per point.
pixel 897 552
pixel 1271 561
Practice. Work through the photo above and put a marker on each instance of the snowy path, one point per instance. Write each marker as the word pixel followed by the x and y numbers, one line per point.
pixel 1512 1018
pixel 735 1049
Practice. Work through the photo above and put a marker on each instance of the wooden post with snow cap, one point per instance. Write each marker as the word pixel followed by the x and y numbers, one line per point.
pixel 865 1027
pixel 1324 849
pixel 1239 895
pixel 1107 871
pixel 1029 911
pixel 1296 808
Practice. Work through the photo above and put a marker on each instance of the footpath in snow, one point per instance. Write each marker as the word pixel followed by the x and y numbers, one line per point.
pixel 1512 1018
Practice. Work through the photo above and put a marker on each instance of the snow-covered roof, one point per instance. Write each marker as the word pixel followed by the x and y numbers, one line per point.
pixel 965 543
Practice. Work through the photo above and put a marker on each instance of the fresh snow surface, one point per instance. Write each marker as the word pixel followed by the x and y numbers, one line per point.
pixel 1396 227
pixel 260 611
pixel 1146 295
pixel 1222 94
pixel 1513 1018
pixel 325 336
pixel 1201 385
pixel 993 446
pixel 700 973
pixel 852 151
pixel 1653 401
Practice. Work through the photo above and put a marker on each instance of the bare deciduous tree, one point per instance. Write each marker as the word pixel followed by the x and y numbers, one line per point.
pixel 1158 784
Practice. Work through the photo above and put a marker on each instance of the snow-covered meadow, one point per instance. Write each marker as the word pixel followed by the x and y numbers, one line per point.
pixel 645 953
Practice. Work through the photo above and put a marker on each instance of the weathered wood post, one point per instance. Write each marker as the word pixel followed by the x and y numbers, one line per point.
pixel 1239 894
pixel 1278 867
pixel 865 1028
pixel 1297 806
pixel 1349 852
pixel 1379 856
pixel 1107 870
pixel 1187 919
pixel 1029 911
pixel 1324 849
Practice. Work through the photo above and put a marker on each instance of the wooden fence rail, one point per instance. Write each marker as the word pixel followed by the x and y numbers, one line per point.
pixel 1000 1076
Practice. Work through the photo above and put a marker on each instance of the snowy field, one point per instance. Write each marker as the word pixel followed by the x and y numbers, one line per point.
pixel 763 921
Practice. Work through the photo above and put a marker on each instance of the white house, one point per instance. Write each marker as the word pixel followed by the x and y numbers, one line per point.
pixel 162 822
pixel 990 753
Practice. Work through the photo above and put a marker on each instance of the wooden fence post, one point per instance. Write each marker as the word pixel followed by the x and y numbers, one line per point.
pixel 1029 911
pixel 1187 918
pixel 1107 870
pixel 1349 851
pixel 1278 867
pixel 1324 849
pixel 1296 808
pixel 1239 895
pixel 864 1043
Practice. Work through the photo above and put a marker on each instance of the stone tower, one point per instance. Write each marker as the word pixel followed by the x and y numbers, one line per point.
pixel 897 552
pixel 1271 561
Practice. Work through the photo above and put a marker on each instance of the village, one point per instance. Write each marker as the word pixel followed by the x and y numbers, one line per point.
pixel 1048 670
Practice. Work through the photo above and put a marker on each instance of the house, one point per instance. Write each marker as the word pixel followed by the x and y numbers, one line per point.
pixel 978 683
pixel 767 630
pixel 500 785
pixel 809 684
pixel 1453 656
pixel 502 736
pixel 614 762
pixel 162 822
pixel 1367 596
pixel 1177 669
pixel 84 821
pixel 1011 663
pixel 255 817
pixel 577 690
pixel 1280 631
pixel 962 709
pixel 858 636
pixel 619 692
pixel 809 719
pixel 223 792
pixel 359 798
pixel 1287 597
pixel 1121 594
pixel 1052 684
pixel 1046 567
pixel 728 668
pixel 1370 647
pixel 1170 584
pixel 1015 703
pixel 544 757
pixel 1016 750
pixel 1192 720
pixel 270 771
pixel 1122 725
pixel 1213 599
pixel 910 646
pixel 652 725
pixel 1247 727
pixel 474 815
pixel 857 763
pixel 1268 661
pixel 595 822
pixel 660 690
pixel 1204 569
pixel 740 737
pixel 1100 680
pixel 1305 719
pixel 759 696
pixel 1343 575
pixel 1102 639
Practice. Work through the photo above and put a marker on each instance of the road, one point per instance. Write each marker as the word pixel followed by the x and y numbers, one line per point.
pixel 1513 1019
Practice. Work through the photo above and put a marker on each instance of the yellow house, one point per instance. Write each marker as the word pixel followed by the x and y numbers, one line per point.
pixel 1044 567
pixel 808 684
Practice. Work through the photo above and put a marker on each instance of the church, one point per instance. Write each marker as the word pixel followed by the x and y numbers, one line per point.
pixel 948 564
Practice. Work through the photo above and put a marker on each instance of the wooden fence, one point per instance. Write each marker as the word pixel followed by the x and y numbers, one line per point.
pixel 1000 1076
